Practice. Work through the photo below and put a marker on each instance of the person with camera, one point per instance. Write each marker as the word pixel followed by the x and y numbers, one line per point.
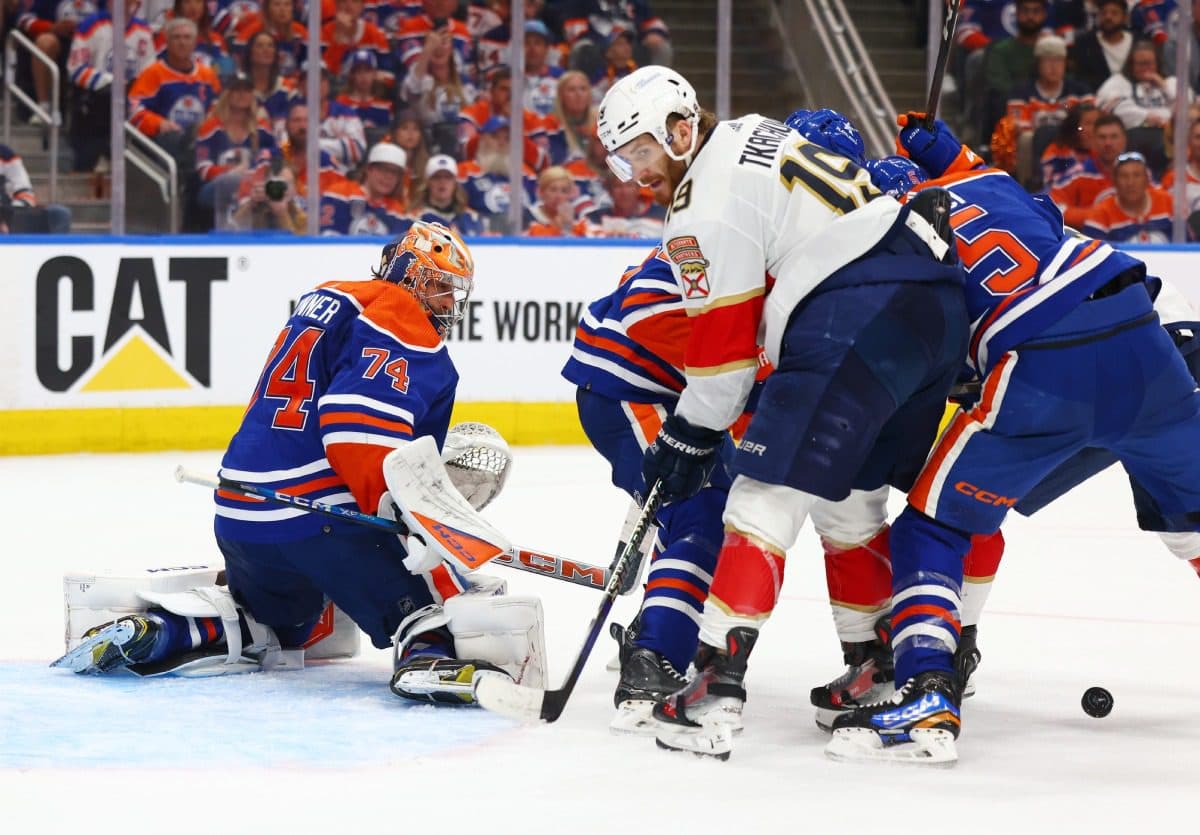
pixel 409 41
pixel 19 212
pixel 271 200
pixel 435 89
pixel 228 144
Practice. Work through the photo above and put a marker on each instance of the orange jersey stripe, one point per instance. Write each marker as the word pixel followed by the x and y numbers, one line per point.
pixel 620 350
pixel 368 420
pixel 679 585
pixel 925 609
pixel 648 420
pixel 313 485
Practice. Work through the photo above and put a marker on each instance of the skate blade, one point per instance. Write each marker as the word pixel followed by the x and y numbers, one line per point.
pixel 825 717
pixel 633 718
pixel 929 746
pixel 614 664
pixel 430 685
pixel 714 741
pixel 84 658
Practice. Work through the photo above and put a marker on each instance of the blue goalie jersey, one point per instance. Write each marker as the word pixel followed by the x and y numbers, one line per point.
pixel 357 371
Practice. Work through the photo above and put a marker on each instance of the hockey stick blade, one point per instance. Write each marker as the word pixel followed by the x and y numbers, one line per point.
pixel 529 704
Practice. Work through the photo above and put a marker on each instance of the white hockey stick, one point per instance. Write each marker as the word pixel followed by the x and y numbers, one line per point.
pixel 522 559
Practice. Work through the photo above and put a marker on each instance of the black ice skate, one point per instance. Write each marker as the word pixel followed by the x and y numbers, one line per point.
pixel 867 678
pixel 647 679
pixel 702 717
pixel 966 659
pixel 918 724
pixel 429 672
pixel 113 646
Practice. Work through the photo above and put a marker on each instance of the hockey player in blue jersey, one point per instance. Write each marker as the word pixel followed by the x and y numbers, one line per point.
pixel 627 362
pixel 1071 356
pixel 359 370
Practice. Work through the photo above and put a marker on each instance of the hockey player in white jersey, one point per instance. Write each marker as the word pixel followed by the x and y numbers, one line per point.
pixel 859 303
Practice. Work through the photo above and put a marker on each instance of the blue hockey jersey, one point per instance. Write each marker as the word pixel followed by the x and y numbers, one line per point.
pixel 1024 270
pixel 357 371
pixel 630 344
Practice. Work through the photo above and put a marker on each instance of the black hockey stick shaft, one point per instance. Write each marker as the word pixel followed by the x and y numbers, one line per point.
pixel 943 58
pixel 555 700
pixel 522 559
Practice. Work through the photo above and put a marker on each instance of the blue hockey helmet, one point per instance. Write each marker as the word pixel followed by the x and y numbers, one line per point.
pixel 895 175
pixel 831 130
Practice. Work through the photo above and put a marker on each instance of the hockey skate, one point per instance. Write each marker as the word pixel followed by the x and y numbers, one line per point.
pixel 113 646
pixel 428 672
pixel 867 679
pixel 702 717
pixel 966 659
pixel 918 724
pixel 647 679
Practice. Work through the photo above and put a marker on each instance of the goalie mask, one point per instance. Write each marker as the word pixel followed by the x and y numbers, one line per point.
pixel 435 265
pixel 641 102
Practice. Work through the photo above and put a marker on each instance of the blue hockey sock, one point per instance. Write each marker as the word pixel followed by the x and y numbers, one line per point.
pixel 927 570
pixel 179 634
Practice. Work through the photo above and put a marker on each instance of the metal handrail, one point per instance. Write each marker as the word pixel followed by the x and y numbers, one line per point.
pixel 855 72
pixel 53 118
pixel 789 52
pixel 168 185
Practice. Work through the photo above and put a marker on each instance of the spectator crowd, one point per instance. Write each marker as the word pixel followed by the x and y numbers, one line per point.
pixel 1077 98
pixel 413 110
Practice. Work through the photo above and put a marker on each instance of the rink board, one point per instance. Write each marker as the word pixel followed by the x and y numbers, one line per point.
pixel 155 343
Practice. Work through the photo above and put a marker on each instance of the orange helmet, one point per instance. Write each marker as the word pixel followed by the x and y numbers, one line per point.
pixel 432 261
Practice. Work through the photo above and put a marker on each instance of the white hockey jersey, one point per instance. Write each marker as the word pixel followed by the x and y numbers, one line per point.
pixel 762 217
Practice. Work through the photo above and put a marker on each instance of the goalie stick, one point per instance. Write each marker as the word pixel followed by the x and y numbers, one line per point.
pixel 943 58
pixel 522 559
pixel 502 695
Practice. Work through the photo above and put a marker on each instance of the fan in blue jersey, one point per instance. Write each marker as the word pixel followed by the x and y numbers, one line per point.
pixel 359 369
pixel 1072 357
pixel 627 362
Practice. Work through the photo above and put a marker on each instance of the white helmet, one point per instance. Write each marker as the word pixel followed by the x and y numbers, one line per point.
pixel 640 103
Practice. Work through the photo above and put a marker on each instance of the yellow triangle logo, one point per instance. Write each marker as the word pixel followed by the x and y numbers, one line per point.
pixel 136 367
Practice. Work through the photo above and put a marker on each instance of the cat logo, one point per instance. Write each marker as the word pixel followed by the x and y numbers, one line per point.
pixel 136 352
pixel 693 266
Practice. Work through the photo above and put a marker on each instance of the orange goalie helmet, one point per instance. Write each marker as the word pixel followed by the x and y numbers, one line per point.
pixel 432 261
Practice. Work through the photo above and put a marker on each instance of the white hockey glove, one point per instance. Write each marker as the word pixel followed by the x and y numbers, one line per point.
pixel 477 460
pixel 420 559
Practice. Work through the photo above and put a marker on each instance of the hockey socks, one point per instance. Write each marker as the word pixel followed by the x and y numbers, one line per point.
pixel 745 588
pixel 979 571
pixel 927 561
pixel 859 579
pixel 178 634
pixel 681 571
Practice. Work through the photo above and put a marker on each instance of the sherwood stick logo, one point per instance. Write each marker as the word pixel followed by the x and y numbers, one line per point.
pixel 137 349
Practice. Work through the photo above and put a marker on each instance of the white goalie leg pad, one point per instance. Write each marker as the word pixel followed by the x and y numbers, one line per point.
pixel 434 510
pixel 505 630
pixel 334 636
pixel 263 652
pixel 477 460
pixel 94 598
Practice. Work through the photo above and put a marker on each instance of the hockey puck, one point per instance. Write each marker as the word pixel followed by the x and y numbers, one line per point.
pixel 1097 702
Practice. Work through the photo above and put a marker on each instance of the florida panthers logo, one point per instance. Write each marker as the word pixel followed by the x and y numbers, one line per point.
pixel 693 266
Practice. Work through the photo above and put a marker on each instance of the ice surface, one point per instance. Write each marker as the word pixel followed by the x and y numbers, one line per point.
pixel 1082 598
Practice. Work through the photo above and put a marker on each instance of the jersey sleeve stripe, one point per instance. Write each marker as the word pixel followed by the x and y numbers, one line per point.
pixel 611 346
pixel 723 368
pixel 728 301
pixel 367 402
pixel 365 438
pixel 330 418
pixel 276 475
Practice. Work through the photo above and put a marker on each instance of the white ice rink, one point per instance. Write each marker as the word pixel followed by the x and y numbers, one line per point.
pixel 1082 598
